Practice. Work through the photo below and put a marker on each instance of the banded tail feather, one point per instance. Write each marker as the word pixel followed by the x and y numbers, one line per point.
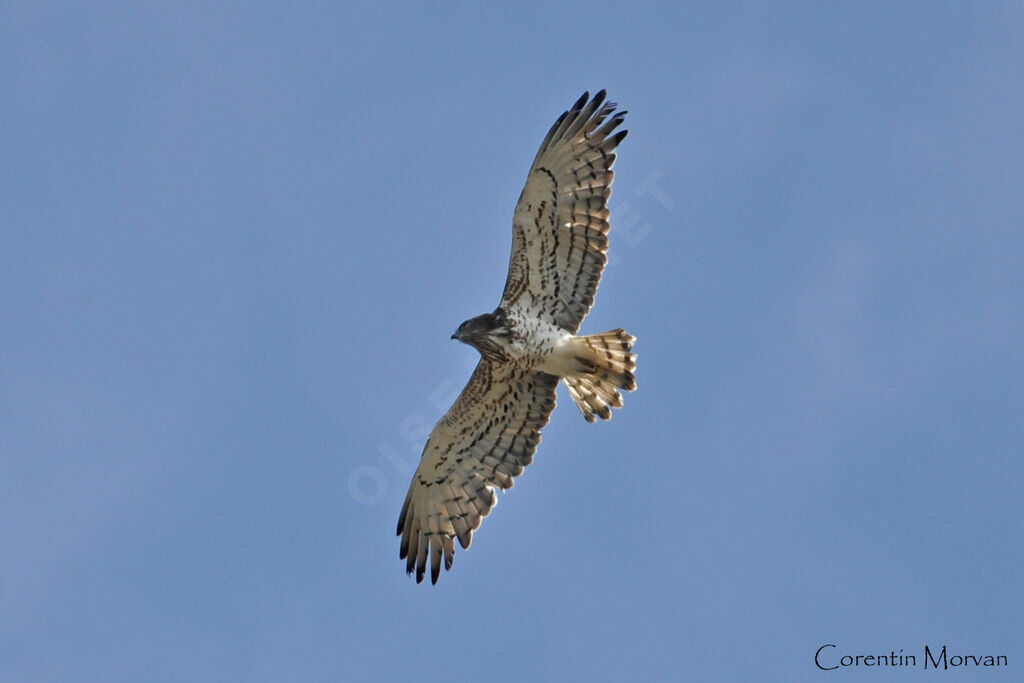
pixel 607 362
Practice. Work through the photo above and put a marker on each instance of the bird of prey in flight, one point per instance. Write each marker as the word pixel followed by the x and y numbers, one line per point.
pixel 528 343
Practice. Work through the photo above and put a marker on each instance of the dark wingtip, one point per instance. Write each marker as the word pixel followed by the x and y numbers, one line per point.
pixel 403 515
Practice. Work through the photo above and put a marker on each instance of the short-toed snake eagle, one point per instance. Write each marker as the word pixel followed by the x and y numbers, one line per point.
pixel 529 343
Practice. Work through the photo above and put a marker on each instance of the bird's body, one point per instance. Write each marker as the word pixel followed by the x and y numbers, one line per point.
pixel 515 337
pixel 528 343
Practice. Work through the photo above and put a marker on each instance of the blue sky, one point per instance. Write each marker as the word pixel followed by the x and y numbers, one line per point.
pixel 236 240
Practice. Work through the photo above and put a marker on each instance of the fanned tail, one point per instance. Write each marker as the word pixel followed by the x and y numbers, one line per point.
pixel 607 364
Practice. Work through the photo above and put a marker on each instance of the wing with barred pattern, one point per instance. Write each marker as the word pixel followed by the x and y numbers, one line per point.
pixel 484 441
pixel 560 227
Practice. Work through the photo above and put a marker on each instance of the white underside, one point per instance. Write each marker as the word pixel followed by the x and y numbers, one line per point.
pixel 560 360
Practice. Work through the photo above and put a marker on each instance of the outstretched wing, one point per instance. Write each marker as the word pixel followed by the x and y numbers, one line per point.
pixel 485 440
pixel 560 227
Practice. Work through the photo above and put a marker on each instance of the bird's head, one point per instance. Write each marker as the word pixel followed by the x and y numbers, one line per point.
pixel 483 327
